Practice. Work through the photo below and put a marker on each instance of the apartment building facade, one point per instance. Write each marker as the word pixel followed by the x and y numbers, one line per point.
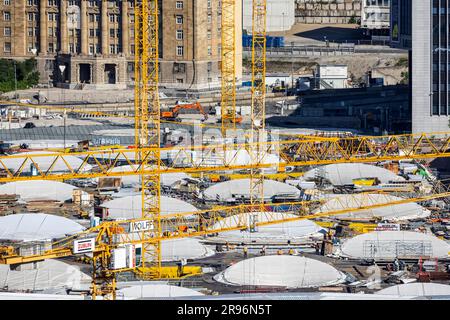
pixel 423 27
pixel 90 43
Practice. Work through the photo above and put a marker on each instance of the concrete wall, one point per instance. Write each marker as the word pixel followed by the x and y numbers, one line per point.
pixel 280 15
pixel 327 11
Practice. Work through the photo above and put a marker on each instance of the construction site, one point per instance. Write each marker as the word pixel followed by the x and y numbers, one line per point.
pixel 184 200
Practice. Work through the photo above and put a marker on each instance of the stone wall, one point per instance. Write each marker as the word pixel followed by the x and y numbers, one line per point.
pixel 327 11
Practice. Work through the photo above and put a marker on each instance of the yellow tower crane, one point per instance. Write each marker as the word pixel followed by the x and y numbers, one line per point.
pixel 257 134
pixel 147 126
pixel 228 102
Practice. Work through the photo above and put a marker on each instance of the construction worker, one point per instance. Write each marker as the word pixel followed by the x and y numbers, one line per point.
pixel 291 252
pixel 280 252
pixel 263 250
pixel 245 250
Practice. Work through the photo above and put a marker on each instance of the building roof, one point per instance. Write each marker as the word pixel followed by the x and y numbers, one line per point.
pixel 282 271
pixel 344 173
pixel 399 212
pixel 34 190
pixel 381 245
pixel 131 207
pixel 36 226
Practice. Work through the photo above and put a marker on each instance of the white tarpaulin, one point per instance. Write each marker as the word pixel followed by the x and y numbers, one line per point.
pixel 283 231
pixel 392 244
pixel 33 227
pixel 281 271
pixel 51 274
pixel 167 179
pixel 34 190
pixel 344 173
pixel 155 291
pixel 131 207
pixel 417 289
pixel 45 162
pixel 399 212
pixel 240 188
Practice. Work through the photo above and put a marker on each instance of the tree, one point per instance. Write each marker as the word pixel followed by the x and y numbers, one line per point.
pixel 27 74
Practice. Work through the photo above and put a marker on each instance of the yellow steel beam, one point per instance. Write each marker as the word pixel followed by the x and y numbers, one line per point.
pixel 291 153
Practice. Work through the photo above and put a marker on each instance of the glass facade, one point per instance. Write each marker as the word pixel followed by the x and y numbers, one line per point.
pixel 440 54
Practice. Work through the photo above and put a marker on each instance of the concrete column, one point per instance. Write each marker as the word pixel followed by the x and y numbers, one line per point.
pixel 19 44
pixel 125 29
pixel 63 27
pixel 84 28
pixel 43 38
pixel 105 32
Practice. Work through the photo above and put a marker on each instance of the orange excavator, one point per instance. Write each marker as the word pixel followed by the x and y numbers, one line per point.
pixel 172 114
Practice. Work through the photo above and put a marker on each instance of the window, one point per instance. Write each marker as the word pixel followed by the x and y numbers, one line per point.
pixel 179 4
pixel 112 33
pixel 7 16
pixel 179 68
pixel 209 35
pixel 209 51
pixel 30 32
pixel 30 16
pixel 52 3
pixel 7 47
pixel 7 31
pixel 179 19
pixel 91 33
pixel 180 35
pixel 91 49
pixel 7 2
pixel 180 51
pixel 51 47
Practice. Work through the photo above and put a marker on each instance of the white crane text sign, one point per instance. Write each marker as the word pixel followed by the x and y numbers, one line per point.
pixel 139 226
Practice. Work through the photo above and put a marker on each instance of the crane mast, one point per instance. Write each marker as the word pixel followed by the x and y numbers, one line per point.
pixel 257 134
pixel 228 102
pixel 147 126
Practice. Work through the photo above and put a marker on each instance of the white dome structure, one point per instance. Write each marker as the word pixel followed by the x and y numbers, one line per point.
pixel 398 212
pixel 131 207
pixel 185 248
pixel 149 291
pixel 281 271
pixel 293 230
pixel 418 289
pixel 229 157
pixel 45 162
pixel 240 189
pixel 35 227
pixel 50 274
pixel 167 179
pixel 35 190
pixel 343 173
pixel 382 245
